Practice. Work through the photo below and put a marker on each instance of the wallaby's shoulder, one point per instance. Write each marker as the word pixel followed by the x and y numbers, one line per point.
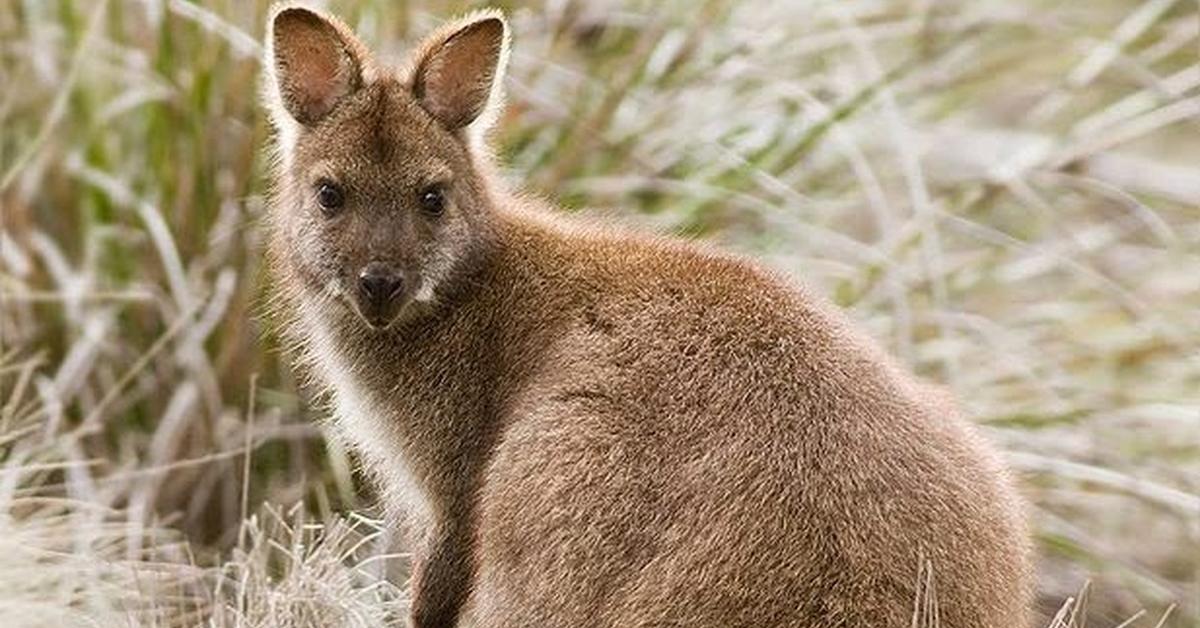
pixel 606 250
pixel 665 295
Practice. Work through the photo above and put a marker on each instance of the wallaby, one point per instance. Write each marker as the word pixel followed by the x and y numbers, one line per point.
pixel 588 427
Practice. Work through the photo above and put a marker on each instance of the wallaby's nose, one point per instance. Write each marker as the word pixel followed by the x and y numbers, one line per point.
pixel 379 284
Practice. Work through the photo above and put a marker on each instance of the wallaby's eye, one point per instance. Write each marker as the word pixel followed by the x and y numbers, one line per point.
pixel 432 200
pixel 330 197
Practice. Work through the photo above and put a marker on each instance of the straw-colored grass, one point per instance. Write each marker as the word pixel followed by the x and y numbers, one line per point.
pixel 1005 192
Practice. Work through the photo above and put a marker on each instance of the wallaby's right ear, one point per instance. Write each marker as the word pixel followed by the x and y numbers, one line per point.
pixel 313 62
pixel 458 70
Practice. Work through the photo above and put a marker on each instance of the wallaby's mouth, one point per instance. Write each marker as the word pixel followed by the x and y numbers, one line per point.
pixel 380 316
pixel 376 320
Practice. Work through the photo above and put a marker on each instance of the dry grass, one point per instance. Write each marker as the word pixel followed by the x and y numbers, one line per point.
pixel 294 573
pixel 1005 192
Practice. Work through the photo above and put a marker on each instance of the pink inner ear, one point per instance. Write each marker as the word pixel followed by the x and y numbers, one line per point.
pixel 315 69
pixel 320 81
pixel 454 80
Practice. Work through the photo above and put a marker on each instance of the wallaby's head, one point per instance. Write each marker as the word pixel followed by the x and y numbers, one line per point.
pixel 379 198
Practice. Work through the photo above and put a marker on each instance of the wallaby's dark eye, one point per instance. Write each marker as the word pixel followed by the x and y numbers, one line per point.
pixel 330 197
pixel 433 200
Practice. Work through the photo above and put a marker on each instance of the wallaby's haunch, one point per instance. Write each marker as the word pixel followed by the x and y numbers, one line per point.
pixel 587 427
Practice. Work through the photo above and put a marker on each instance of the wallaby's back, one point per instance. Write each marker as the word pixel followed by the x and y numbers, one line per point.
pixel 706 445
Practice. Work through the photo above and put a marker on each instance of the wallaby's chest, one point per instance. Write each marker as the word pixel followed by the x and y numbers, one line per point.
pixel 368 419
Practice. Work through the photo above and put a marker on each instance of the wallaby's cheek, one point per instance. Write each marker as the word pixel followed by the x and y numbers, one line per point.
pixel 310 251
pixel 441 251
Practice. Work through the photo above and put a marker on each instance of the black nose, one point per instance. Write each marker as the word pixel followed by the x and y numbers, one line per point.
pixel 379 284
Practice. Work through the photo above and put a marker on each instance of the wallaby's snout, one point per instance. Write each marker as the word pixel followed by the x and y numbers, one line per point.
pixel 381 293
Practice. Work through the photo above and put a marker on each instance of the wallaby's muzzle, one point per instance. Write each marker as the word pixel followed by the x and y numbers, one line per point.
pixel 380 294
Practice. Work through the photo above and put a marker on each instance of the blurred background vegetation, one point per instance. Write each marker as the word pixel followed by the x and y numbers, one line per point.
pixel 1006 192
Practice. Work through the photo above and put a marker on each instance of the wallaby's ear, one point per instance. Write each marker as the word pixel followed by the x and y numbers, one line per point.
pixel 457 72
pixel 313 62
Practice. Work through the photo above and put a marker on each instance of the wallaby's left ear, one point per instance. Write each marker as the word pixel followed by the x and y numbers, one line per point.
pixel 458 71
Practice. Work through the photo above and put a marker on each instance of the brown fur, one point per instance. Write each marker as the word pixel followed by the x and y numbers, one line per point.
pixel 594 428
